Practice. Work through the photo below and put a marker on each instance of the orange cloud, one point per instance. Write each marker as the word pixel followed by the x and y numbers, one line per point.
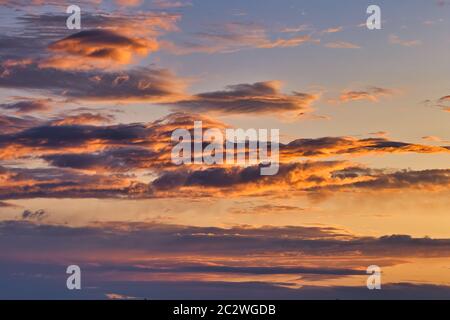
pixel 128 3
pixel 334 146
pixel 96 48
pixel 333 30
pixel 445 99
pixel 341 45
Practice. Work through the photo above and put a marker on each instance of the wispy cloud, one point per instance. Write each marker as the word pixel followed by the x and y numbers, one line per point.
pixel 394 39
pixel 233 37
pixel 341 45
pixel 372 94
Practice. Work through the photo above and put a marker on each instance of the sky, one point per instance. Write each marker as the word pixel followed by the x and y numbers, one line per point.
pixel 86 176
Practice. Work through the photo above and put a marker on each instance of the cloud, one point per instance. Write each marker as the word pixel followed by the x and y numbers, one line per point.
pixel 90 159
pixel 147 238
pixel 182 254
pixel 27 106
pixel 11 124
pixel 96 48
pixel 341 45
pixel 306 178
pixel 220 289
pixel 260 97
pixel 166 4
pixel 444 103
pixel 197 247
pixel 248 180
pixel 437 179
pixel 120 143
pixel 300 28
pixel 87 141
pixel 138 84
pixel 222 269
pixel 117 296
pixel 155 86
pixel 333 30
pixel 381 134
pixel 20 183
pixel 232 37
pixel 126 159
pixel 297 177
pixel 34 215
pixel 394 39
pixel 20 4
pixel 85 118
pixel 267 208
pixel 434 139
pixel 116 38
pixel 287 43
pixel 333 146
pixel 147 24
pixel 372 94
pixel 7 205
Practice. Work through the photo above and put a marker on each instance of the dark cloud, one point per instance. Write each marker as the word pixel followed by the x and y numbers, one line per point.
pixel 16 47
pixel 301 176
pixel 66 136
pixel 260 97
pixel 218 269
pixel 74 136
pixel 10 124
pixel 230 177
pixel 21 183
pixel 7 205
pixel 139 84
pixel 115 159
pixel 46 280
pixel 178 251
pixel 425 179
pixel 27 106
pixel 34 215
pixel 148 237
